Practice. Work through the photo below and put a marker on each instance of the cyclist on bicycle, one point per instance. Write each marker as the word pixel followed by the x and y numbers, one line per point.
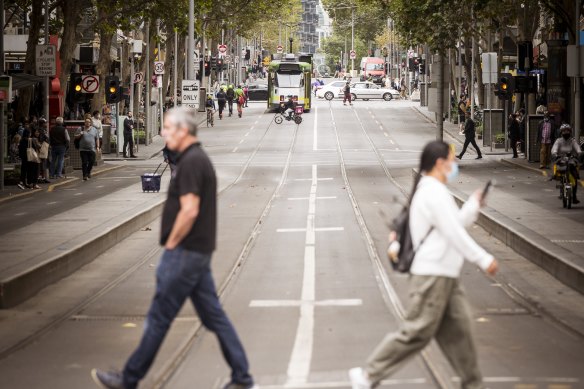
pixel 288 107
pixel 239 100
pixel 566 144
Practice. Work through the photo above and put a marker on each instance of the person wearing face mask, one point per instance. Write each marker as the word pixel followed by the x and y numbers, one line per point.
pixel 546 136
pixel 564 145
pixel 438 307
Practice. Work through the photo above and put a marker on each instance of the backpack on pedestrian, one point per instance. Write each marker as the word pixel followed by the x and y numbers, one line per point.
pixel 401 251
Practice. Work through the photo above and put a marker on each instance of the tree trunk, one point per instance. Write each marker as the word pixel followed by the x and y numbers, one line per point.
pixel 104 62
pixel 181 61
pixel 71 18
pixel 479 77
pixel 168 64
pixel 467 62
pixel 25 95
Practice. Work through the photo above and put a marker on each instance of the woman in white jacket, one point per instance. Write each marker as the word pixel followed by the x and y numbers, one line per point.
pixel 438 307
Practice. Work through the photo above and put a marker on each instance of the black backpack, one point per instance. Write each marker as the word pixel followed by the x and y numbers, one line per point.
pixel 401 255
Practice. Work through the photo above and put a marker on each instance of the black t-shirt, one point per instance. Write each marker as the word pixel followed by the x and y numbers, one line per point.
pixel 194 174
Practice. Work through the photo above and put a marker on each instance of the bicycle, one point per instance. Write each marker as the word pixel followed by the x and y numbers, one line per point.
pixel 210 117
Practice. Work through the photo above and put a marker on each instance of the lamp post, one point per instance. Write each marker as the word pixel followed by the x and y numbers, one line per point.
pixel 191 42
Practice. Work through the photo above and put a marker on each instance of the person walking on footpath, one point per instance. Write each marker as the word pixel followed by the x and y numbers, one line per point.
pixel 88 146
pixel 438 308
pixel 347 93
pixel 188 234
pixel 546 136
pixel 514 132
pixel 60 140
pixel 96 121
pixel 128 138
pixel 230 97
pixel 461 114
pixel 469 136
pixel 221 100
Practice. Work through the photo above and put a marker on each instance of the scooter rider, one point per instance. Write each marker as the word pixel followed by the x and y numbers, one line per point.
pixel 288 107
pixel 566 144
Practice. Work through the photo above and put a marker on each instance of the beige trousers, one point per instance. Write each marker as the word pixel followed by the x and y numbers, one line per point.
pixel 438 309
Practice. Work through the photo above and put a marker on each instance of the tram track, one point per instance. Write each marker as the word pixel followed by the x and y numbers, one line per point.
pixel 87 302
pixel 384 282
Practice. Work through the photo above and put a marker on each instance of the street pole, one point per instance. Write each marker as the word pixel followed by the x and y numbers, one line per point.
pixel 440 88
pixel 352 38
pixel 132 80
pixel 47 80
pixel 2 143
pixel 472 72
pixel 147 79
pixel 577 80
pixel 175 69
pixel 222 42
pixel 191 42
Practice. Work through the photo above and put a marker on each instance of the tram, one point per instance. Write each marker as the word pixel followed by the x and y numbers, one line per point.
pixel 290 75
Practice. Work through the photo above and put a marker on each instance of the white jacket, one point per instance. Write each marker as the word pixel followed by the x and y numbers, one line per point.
pixel 444 250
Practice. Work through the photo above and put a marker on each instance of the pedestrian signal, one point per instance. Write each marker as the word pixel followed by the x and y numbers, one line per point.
pixel 113 92
pixel 219 64
pixel 207 68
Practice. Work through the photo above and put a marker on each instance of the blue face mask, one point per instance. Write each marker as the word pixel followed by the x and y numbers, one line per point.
pixel 451 176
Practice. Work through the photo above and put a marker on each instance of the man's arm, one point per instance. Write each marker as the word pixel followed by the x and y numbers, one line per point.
pixel 189 210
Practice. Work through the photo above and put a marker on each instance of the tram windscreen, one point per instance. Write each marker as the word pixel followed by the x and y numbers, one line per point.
pixel 289 80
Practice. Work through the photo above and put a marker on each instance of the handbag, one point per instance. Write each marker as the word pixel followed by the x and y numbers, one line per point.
pixel 31 154
pixel 44 153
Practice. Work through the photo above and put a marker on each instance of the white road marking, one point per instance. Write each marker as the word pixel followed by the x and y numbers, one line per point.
pixel 310 179
pixel 77 194
pixel 246 134
pixel 241 141
pixel 298 303
pixel 381 127
pixel 345 384
pixel 256 122
pixel 386 134
pixel 234 150
pixel 52 202
pixel 20 214
pixel 99 186
pixel 325 229
pixel 315 140
pixel 318 198
pixel 391 141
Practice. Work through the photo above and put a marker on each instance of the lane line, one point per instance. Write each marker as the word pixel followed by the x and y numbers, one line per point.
pixel 310 179
pixel 312 229
pixel 315 135
pixel 318 198
pixel 234 150
pixel 298 303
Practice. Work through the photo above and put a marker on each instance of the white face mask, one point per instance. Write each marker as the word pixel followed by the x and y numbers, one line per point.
pixel 453 174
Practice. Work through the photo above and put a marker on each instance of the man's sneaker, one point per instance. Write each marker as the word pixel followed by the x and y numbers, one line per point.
pixel 358 379
pixel 109 380
pixel 233 385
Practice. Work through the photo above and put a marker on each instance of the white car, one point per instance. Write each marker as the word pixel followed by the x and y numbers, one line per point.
pixel 332 90
pixel 367 90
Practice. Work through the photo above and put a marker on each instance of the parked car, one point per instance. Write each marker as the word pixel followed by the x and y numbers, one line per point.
pixel 331 90
pixel 367 90
pixel 257 91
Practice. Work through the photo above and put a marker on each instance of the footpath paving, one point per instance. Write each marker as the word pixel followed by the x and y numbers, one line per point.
pixel 66 241
pixel 523 210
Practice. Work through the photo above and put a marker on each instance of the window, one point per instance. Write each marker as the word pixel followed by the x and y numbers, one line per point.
pixel 374 66
pixel 289 80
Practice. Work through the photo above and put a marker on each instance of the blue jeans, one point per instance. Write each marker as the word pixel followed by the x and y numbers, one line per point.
pixel 184 274
pixel 57 159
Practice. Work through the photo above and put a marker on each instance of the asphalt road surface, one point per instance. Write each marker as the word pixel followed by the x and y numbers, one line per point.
pixel 300 269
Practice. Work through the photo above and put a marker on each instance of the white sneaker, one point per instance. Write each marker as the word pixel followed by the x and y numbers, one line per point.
pixel 358 379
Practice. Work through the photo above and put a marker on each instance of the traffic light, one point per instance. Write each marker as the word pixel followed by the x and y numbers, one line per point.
pixel 422 67
pixel 113 92
pixel 76 87
pixel 247 54
pixel 219 64
pixel 505 86
pixel 207 68
pixel 200 72
pixel 213 63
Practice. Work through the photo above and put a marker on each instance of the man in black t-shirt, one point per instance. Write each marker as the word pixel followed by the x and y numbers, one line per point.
pixel 188 233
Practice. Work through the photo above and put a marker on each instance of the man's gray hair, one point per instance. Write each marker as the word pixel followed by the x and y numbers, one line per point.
pixel 183 117
pixel 59 120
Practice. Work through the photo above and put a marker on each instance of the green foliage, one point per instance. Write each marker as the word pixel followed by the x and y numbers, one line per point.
pixel 333 45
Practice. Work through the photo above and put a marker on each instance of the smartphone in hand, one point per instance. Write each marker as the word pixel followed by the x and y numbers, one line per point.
pixel 486 190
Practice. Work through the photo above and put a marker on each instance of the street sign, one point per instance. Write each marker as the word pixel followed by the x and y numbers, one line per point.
pixel 5 89
pixel 279 49
pixel 196 57
pixel 227 58
pixel 222 49
pixel 158 67
pixel 489 62
pixel 352 54
pixel 90 84
pixel 46 60
pixel 138 78
pixel 190 94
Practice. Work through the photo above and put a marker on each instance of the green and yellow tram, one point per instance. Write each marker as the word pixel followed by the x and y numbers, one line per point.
pixel 290 76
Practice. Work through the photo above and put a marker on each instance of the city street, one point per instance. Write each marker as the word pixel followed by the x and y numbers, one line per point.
pixel 300 267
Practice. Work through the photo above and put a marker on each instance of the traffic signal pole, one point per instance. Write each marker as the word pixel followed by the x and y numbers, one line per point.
pixel 2 143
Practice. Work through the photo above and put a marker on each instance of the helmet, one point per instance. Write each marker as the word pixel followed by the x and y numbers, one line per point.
pixel 231 86
pixel 565 128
